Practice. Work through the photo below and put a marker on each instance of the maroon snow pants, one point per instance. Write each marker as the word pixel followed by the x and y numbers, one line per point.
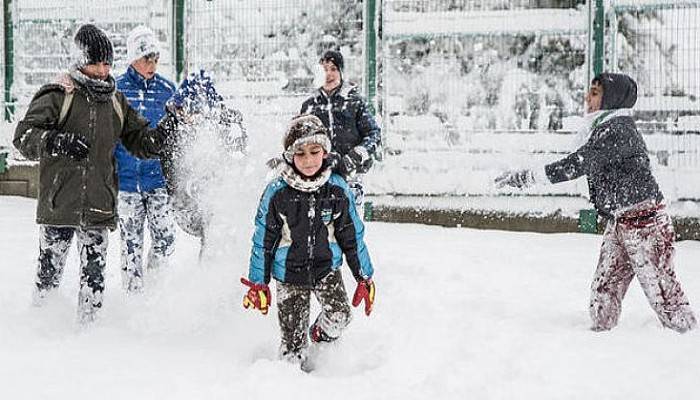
pixel 639 243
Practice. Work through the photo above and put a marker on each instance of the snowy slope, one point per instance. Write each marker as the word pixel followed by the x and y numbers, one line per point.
pixel 460 314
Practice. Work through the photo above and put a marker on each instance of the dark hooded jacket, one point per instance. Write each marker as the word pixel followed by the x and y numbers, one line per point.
pixel 81 193
pixel 614 159
pixel 347 117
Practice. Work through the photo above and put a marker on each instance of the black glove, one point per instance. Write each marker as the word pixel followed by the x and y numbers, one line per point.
pixel 517 179
pixel 68 144
pixel 170 121
pixel 355 160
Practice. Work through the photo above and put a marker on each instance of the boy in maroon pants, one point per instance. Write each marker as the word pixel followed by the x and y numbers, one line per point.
pixel 639 237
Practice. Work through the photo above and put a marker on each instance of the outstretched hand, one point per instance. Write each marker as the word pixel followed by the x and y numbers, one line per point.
pixel 518 179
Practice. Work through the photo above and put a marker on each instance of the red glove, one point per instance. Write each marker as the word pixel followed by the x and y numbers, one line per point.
pixel 364 291
pixel 258 296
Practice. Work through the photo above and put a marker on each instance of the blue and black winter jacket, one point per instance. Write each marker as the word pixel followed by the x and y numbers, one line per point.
pixel 300 237
pixel 148 97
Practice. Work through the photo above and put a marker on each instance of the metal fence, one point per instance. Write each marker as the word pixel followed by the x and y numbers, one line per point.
pixel 41 31
pixel 486 83
pixel 659 44
pixel 471 87
pixel 268 50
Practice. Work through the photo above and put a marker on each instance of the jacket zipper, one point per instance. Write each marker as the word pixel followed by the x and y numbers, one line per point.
pixel 311 239
pixel 86 162
pixel 329 109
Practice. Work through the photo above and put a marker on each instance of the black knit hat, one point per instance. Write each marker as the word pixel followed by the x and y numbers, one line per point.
pixel 93 45
pixel 333 57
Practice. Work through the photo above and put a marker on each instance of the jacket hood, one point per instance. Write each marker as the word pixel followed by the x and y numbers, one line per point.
pixel 619 90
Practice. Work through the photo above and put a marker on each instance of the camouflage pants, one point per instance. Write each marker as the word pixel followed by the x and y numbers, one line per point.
pixel 357 189
pixel 54 242
pixel 293 302
pixel 134 209
pixel 646 252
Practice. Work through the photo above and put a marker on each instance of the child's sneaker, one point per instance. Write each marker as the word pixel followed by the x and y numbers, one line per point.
pixel 317 335
pixel 319 340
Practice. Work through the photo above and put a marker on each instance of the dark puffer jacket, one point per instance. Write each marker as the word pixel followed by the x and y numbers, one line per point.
pixel 614 158
pixel 347 118
pixel 80 193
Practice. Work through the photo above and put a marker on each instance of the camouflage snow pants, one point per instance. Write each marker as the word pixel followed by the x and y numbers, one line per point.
pixel 639 243
pixel 293 302
pixel 54 242
pixel 357 189
pixel 134 209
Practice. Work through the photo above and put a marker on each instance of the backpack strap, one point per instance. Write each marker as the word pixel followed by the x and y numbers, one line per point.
pixel 68 100
pixel 118 109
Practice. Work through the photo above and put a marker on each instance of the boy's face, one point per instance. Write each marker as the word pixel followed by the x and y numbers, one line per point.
pixel 99 71
pixel 146 66
pixel 332 75
pixel 309 158
pixel 594 98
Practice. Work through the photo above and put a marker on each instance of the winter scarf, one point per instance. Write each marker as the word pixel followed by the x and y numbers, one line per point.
pixel 293 179
pixel 97 89
pixel 596 118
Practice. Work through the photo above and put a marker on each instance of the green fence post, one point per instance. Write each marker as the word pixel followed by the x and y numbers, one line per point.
pixel 9 59
pixel 370 53
pixel 368 211
pixel 588 221
pixel 3 161
pixel 179 39
pixel 598 38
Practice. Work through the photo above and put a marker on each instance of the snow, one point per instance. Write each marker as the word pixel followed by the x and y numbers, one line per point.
pixel 472 22
pixel 657 3
pixel 424 163
pixel 460 313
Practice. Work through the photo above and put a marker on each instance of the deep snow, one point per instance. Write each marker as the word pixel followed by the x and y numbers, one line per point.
pixel 460 313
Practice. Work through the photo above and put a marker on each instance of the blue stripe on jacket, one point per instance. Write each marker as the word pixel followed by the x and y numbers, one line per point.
pixel 148 97
pixel 256 273
pixel 366 268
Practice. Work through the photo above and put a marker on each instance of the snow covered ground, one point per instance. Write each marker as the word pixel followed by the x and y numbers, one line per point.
pixel 460 314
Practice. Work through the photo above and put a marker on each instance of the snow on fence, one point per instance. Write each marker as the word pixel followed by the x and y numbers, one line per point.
pixel 475 88
pixel 490 22
pixel 466 87
pixel 43 32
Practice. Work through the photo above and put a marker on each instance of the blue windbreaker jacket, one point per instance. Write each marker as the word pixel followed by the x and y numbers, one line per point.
pixel 148 97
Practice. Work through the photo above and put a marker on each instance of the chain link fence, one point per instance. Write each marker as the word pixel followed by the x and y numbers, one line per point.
pixel 473 87
pixel 659 44
pixel 267 51
pixel 484 84
pixel 467 79
pixel 43 31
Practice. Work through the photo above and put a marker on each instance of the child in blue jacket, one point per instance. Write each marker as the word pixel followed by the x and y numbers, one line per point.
pixel 142 192
pixel 306 222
